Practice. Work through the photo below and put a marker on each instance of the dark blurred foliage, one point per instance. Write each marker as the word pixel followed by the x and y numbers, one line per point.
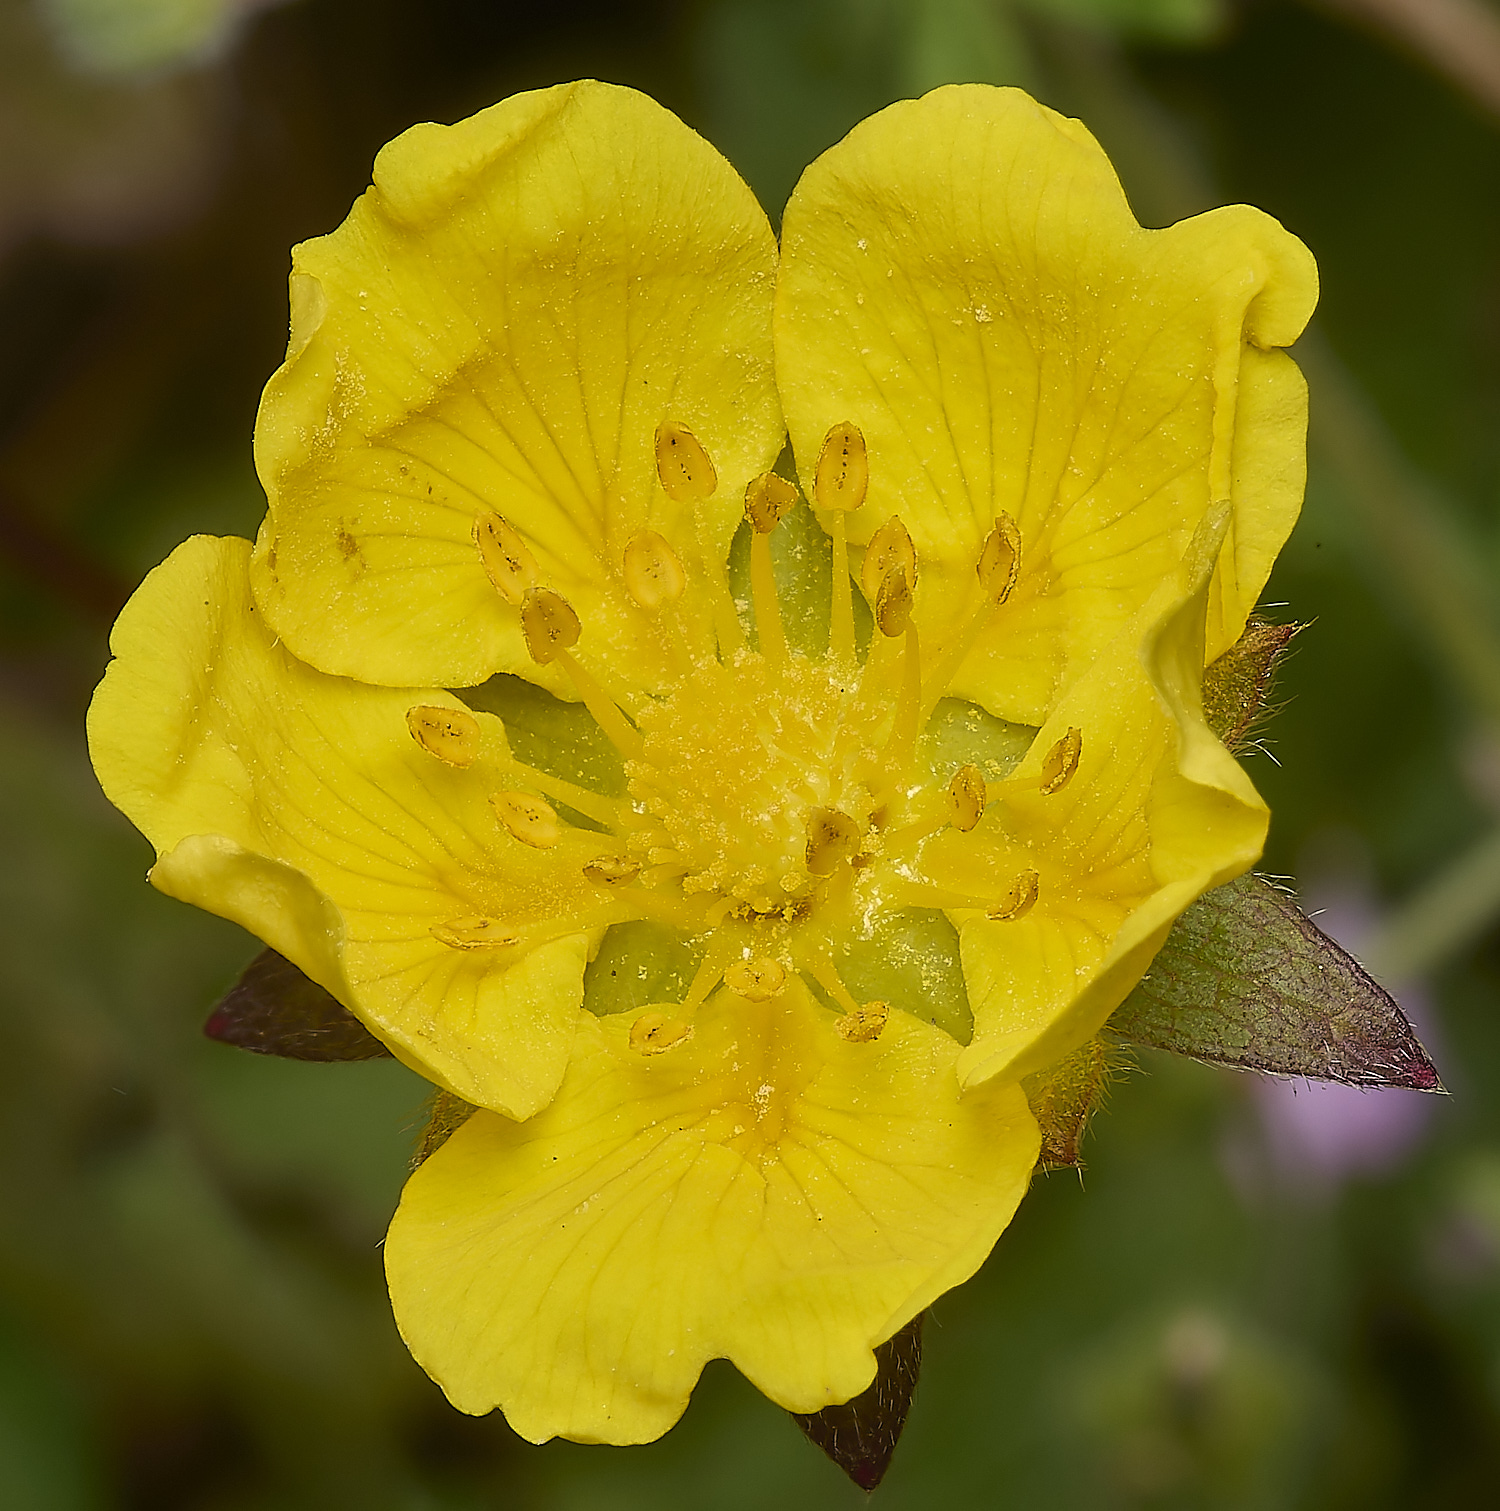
pixel 1252 1300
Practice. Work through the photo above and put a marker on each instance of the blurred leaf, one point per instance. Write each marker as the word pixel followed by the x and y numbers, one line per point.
pixel 1235 687
pixel 273 1009
pixel 964 41
pixel 1063 1099
pixel 1246 979
pixel 125 37
pixel 1169 20
pixel 861 1435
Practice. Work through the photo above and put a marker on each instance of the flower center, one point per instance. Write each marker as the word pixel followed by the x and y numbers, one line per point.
pixel 745 773
pixel 779 806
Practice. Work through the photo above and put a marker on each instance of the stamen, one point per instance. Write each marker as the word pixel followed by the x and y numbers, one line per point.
pixel 728 630
pixel 832 837
pixel 842 477
pixel 653 573
pixel 612 870
pixel 474 934
pixel 655 1033
pixel 890 546
pixel 966 798
pixel 864 1024
pixel 530 820
pixel 549 624
pixel 896 841
pixel 841 610
pixel 551 627
pixel 507 562
pixel 623 735
pixel 670 908
pixel 907 724
pixel 1059 764
pixel 756 980
pixel 767 499
pixel 450 734
pixel 998 569
pixel 840 482
pixel 893 603
pixel 999 562
pixel 823 972
pixel 908 892
pixel 1018 901
pixel 685 468
pixel 709 973
pixel 602 810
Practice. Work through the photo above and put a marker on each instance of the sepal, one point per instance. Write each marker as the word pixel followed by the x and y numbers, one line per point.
pixel 274 1009
pixel 1245 978
pixel 861 1435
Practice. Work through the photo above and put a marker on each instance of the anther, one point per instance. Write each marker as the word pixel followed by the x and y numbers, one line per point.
pixel 450 734
pixel 999 563
pixel 507 562
pixel 756 980
pixel 966 797
pixel 653 573
pixel 1059 764
pixel 612 870
pixel 474 934
pixel 864 1023
pixel 530 820
pixel 548 623
pixel 893 603
pixel 842 477
pixel 890 546
pixel 767 501
pixel 684 467
pixel 832 837
pixel 654 1033
pixel 1018 901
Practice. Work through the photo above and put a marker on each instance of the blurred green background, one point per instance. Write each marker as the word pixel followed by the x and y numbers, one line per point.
pixel 1258 1296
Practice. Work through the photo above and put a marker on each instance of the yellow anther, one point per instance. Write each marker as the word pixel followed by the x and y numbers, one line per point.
pixel 531 820
pixel 548 623
pixel 653 573
pixel 832 837
pixel 864 1023
pixel 756 980
pixel 686 470
pixel 890 546
pixel 474 934
pixel 451 734
pixel 767 500
pixel 893 603
pixel 653 1033
pixel 612 870
pixel 507 562
pixel 1000 559
pixel 843 473
pixel 1018 900
pixel 966 796
pixel 1059 764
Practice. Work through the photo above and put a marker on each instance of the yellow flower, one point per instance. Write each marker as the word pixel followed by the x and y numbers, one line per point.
pixel 738 899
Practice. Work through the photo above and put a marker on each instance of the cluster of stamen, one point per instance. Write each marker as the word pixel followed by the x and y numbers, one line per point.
pixel 769 792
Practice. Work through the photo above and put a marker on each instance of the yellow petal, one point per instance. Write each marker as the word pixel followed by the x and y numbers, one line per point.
pixel 1156 813
pixel 499 329
pixel 764 1191
pixel 963 280
pixel 301 806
